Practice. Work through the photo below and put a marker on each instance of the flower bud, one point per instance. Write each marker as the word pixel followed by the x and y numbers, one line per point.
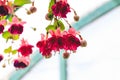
pixel 66 55
pixel 76 18
pixel 28 12
pixel 49 16
pixel 83 43
pixel 48 56
pixel 33 9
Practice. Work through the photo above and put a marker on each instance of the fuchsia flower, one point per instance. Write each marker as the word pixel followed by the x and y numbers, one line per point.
pixel 21 62
pixel 43 46
pixel 5 9
pixel 71 42
pixel 66 40
pixel 60 9
pixel 16 26
pixel 25 49
pixel 1 28
pixel 2 23
pixel 1 57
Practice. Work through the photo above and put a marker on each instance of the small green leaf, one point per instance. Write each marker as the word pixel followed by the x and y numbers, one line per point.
pixel 6 35
pixel 21 2
pixel 50 27
pixel 61 25
pixel 10 18
pixel 15 37
pixel 52 2
pixel 8 50
pixel 14 52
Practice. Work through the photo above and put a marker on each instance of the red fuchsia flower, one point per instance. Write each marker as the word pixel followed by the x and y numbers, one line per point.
pixel 5 9
pixel 25 49
pixel 16 29
pixel 16 26
pixel 2 23
pixel 71 42
pixel 1 57
pixel 56 42
pixel 1 28
pixel 21 62
pixel 60 9
pixel 43 46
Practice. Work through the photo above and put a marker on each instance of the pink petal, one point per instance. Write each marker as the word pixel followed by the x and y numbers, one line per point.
pixel 52 32
pixel 23 42
pixel 42 37
pixel 64 1
pixel 65 33
pixel 15 19
pixel 72 31
pixel 23 22
pixel 3 22
pixel 58 32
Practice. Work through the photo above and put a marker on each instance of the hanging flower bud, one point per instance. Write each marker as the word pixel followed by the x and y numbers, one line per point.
pixel 76 18
pixel 33 9
pixel 83 43
pixel 66 55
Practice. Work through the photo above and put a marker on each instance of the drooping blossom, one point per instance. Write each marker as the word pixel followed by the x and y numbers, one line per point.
pixel 16 26
pixel 16 29
pixel 1 57
pixel 25 48
pixel 5 9
pixel 71 42
pixel 56 41
pixel 43 46
pixel 1 28
pixel 61 9
pixel 21 62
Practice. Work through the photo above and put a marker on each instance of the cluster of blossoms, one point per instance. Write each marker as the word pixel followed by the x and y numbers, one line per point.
pixel 56 38
pixel 59 38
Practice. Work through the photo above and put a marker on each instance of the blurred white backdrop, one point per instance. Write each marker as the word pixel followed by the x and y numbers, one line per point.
pixel 100 60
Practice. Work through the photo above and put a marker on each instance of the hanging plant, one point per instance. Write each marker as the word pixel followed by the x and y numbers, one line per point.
pixel 56 38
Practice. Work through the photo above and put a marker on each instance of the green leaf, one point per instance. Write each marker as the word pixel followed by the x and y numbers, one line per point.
pixel 8 50
pixel 15 37
pixel 50 27
pixel 6 35
pixel 10 18
pixel 61 25
pixel 14 52
pixel 52 2
pixel 21 2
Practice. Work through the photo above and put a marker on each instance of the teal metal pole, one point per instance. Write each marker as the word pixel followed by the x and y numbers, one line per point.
pixel 84 21
pixel 105 8
pixel 17 75
pixel 63 67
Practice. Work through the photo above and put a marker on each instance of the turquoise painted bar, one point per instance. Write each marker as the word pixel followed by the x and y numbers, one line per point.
pixel 105 8
pixel 17 75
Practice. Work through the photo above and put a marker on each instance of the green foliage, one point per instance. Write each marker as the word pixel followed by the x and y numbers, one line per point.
pixel 9 50
pixel 14 52
pixel 21 2
pixel 50 27
pixel 7 35
pixel 52 2
pixel 60 24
